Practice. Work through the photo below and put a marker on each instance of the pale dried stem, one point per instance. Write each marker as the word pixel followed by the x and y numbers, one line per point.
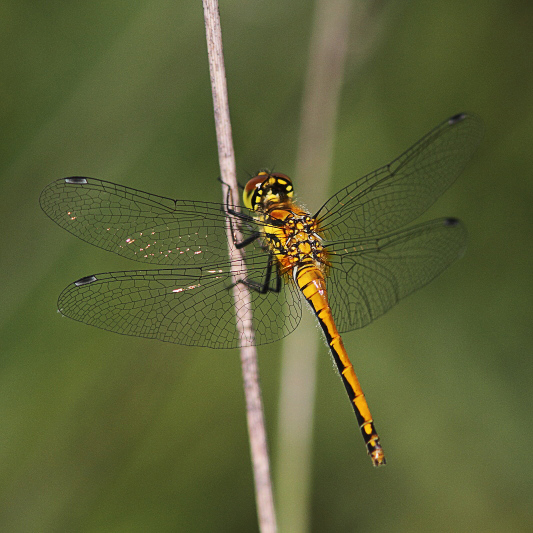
pixel 334 24
pixel 250 372
pixel 318 117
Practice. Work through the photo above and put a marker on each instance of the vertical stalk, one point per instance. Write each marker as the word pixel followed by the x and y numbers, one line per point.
pixel 336 23
pixel 250 372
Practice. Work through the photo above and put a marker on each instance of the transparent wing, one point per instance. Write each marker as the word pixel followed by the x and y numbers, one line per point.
pixel 190 306
pixel 401 191
pixel 139 225
pixel 370 276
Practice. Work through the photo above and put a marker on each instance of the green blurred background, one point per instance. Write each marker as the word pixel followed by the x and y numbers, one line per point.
pixel 100 432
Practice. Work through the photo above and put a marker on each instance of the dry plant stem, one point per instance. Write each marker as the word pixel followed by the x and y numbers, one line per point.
pixel 254 406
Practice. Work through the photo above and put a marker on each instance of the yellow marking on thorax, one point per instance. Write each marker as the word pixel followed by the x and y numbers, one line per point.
pixel 296 241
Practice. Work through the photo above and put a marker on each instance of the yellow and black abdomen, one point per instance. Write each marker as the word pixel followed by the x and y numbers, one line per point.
pixel 312 283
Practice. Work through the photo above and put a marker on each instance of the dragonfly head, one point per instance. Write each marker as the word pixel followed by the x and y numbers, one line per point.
pixel 265 189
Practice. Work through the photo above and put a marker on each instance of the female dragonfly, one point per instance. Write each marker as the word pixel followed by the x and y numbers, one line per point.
pixel 350 261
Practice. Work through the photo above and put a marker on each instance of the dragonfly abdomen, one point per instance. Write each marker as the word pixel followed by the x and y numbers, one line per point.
pixel 312 283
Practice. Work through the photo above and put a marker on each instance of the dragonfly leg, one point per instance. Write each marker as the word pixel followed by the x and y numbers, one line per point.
pixel 241 216
pixel 247 241
pixel 238 214
pixel 230 211
pixel 264 287
pixel 240 185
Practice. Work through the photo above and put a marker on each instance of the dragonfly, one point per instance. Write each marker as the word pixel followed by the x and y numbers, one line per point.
pixel 351 262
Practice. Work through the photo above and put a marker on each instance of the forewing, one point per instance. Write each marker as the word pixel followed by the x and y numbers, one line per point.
pixel 189 306
pixel 401 191
pixel 370 276
pixel 139 225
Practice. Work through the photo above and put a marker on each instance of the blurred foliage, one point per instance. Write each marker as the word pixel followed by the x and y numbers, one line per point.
pixel 107 433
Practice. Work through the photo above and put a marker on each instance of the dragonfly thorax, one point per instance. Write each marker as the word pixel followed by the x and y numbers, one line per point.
pixel 267 189
pixel 293 236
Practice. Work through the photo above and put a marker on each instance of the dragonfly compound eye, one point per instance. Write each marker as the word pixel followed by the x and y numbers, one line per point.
pixel 267 188
pixel 253 191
